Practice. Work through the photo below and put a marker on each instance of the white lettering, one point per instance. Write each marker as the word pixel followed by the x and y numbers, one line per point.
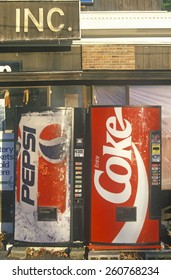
pixel 120 155
pixel 111 196
pixel 17 20
pixel 5 68
pixel 111 127
pixel 38 23
pixel 49 19
pixel 119 178
pixel 119 148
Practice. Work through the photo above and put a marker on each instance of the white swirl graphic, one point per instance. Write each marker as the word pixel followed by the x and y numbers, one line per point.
pixel 131 230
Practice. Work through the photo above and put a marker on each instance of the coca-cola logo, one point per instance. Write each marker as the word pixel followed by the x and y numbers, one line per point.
pixel 117 151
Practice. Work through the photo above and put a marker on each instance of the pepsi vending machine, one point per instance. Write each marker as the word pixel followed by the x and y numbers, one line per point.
pixel 49 196
pixel 125 177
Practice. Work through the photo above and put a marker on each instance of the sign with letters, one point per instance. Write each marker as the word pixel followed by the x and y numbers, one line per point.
pixel 10 66
pixel 39 20
pixel 6 161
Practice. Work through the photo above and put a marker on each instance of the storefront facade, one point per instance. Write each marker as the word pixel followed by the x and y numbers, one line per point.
pixel 83 66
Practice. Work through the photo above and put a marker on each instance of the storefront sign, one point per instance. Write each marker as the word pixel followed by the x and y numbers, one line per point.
pixel 39 20
pixel 10 66
pixel 6 161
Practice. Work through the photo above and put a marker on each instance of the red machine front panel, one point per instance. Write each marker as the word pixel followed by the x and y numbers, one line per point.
pixel 120 182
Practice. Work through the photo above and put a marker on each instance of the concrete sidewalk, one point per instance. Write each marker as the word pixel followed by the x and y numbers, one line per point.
pixel 41 253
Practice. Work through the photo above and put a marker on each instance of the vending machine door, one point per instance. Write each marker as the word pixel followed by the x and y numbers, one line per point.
pixel 50 167
pixel 43 176
pixel 125 150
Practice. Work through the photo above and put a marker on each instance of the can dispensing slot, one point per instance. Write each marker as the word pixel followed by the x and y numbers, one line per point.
pixel 126 214
pixel 47 214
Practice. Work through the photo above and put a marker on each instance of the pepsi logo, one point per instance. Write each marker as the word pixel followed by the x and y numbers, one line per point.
pixel 52 143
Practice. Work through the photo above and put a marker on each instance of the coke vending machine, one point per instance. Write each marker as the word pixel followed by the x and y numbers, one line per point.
pixel 49 196
pixel 125 177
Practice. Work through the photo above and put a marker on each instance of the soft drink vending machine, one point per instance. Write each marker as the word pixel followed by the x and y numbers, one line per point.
pixel 125 177
pixel 49 196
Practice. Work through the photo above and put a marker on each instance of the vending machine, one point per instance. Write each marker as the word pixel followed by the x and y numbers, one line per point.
pixel 49 195
pixel 125 177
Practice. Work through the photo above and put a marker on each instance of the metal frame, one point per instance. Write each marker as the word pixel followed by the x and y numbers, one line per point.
pixel 89 77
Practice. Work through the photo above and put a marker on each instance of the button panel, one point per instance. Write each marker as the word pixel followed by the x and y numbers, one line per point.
pixel 78 179
pixel 156 158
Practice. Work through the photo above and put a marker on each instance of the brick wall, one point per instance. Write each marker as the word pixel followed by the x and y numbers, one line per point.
pixel 109 57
